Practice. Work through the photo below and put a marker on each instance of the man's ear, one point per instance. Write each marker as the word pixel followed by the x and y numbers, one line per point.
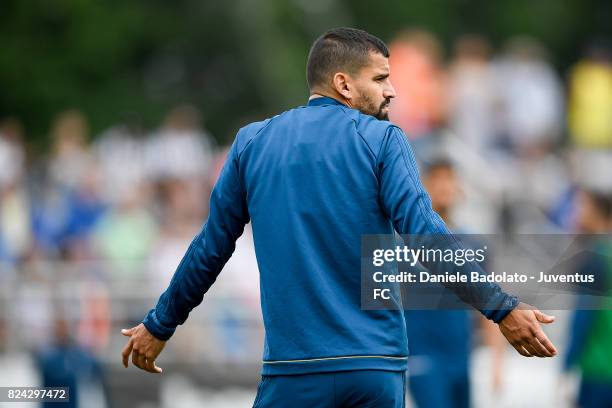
pixel 342 84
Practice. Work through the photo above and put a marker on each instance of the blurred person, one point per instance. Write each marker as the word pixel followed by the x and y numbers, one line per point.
pixel 530 98
pixel 70 156
pixel 470 139
pixel 440 340
pixel 420 82
pixel 181 149
pixel 590 98
pixel 530 115
pixel 167 247
pixel 312 181
pixel 12 152
pixel 471 92
pixel 87 207
pixel 15 219
pixel 32 305
pixel 121 153
pixel 50 218
pixel 545 179
pixel 179 153
pixel 93 331
pixel 66 203
pixel 180 215
pixel 65 218
pixel 590 345
pixel 182 205
pixel 124 236
pixel 64 363
pixel 589 166
pixel 537 184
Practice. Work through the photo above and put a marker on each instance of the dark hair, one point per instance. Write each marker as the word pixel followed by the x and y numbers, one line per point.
pixel 342 48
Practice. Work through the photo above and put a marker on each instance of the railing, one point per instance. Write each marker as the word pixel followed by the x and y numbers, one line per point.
pixel 96 303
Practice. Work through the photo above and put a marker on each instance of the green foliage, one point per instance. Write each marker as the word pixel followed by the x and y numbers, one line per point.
pixel 238 60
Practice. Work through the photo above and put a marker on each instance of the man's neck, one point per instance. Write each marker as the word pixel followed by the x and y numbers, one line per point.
pixel 322 94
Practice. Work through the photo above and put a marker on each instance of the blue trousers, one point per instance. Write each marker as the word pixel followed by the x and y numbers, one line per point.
pixel 344 389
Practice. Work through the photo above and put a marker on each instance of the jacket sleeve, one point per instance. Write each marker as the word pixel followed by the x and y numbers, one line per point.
pixel 408 206
pixel 207 254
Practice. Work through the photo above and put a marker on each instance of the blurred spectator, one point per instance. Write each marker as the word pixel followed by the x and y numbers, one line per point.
pixel 539 185
pixel 70 157
pixel 418 79
pixel 64 218
pixel 95 314
pixel 50 217
pixel 124 236
pixel 33 310
pixel 590 98
pixel 440 340
pixel 472 95
pixel 530 97
pixel 86 209
pixel 166 252
pixel 120 152
pixel 67 202
pixel 180 149
pixel 66 364
pixel 591 329
pixel 12 154
pixel 588 167
pixel 15 222
pixel 528 119
pixel 181 220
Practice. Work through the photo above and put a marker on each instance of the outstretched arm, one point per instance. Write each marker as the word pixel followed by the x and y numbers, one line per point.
pixel 407 204
pixel 197 271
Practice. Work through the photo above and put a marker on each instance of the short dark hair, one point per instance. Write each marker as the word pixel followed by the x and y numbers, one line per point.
pixel 342 48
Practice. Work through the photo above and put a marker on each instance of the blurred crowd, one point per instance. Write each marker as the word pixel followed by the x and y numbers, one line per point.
pixel 91 233
pixel 523 136
pixel 108 210
pixel 519 131
pixel 117 197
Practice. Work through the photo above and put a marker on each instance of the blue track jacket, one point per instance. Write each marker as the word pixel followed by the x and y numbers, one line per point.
pixel 312 181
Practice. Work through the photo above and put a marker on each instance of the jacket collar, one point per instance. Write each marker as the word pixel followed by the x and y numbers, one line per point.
pixel 324 100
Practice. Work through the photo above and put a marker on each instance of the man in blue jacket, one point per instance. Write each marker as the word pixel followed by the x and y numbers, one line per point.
pixel 312 181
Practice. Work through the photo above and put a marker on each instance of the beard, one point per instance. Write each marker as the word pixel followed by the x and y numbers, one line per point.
pixel 367 106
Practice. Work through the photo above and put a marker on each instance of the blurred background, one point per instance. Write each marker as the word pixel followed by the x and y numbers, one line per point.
pixel 114 122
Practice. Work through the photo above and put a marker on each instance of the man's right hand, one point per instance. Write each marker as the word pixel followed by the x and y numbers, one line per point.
pixel 521 327
pixel 144 348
